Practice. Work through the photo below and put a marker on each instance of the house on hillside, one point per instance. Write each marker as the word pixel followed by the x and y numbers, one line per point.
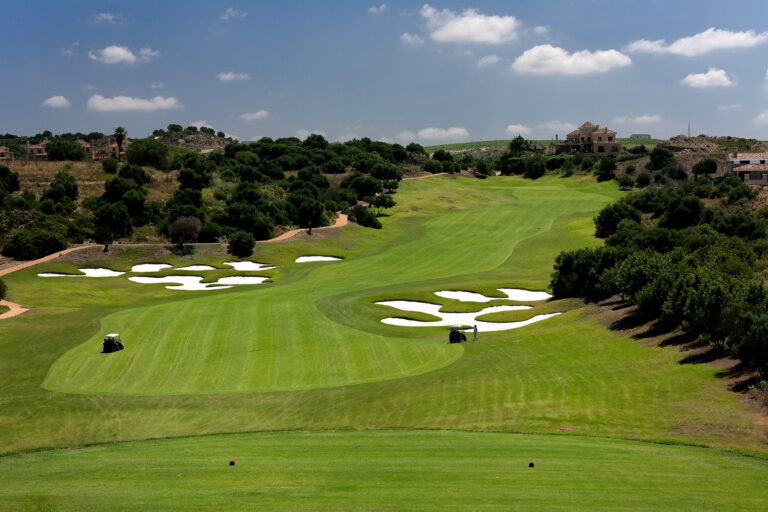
pixel 750 167
pixel 640 136
pixel 590 139
pixel 107 147
pixel 6 153
pixel 88 147
pixel 37 150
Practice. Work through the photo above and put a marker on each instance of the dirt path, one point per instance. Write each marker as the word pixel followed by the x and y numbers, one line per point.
pixel 425 176
pixel 19 266
pixel 15 310
pixel 341 220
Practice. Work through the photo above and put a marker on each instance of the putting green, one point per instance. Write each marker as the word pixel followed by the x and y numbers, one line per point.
pixel 273 337
pixel 385 470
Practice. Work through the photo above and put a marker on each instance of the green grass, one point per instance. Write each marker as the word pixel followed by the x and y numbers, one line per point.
pixel 386 470
pixel 4 309
pixel 307 351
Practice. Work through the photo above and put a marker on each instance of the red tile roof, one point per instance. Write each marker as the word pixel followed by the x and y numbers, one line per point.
pixel 750 156
pixel 752 167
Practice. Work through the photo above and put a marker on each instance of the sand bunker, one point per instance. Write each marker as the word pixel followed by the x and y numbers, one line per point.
pixel 196 268
pixel 447 319
pixel 86 272
pixel 241 280
pixel 511 293
pixel 150 267
pixel 248 266
pixel 307 259
pixel 193 283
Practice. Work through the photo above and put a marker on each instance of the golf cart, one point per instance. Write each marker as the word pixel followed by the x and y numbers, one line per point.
pixel 112 343
pixel 456 336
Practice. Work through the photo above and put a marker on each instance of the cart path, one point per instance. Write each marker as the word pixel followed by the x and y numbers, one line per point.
pixel 16 310
pixel 425 176
pixel 19 266
pixel 341 220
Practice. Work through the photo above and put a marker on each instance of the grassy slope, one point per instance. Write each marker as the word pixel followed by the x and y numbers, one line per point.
pixel 386 470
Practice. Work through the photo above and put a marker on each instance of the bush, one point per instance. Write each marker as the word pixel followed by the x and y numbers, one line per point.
pixel 148 152
pixel 442 155
pixel 364 217
pixel 64 186
pixel 534 167
pixel 241 244
pixel 660 158
pixel 3 290
pixel 705 166
pixel 625 182
pixel 606 168
pixel 110 165
pixel 609 217
pixel 643 179
pixel 638 150
pixel 33 243
pixel 630 170
pixel 61 149
pixel 135 173
pixel 184 229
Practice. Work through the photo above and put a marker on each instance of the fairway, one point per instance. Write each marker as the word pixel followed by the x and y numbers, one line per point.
pixel 307 351
pixel 387 470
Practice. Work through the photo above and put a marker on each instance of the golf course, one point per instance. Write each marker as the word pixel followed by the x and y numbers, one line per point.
pixel 321 405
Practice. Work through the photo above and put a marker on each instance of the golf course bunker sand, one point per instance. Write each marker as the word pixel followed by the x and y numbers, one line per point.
pixel 447 319
pixel 511 293
pixel 196 268
pixel 86 272
pixel 307 259
pixel 150 267
pixel 193 283
pixel 248 266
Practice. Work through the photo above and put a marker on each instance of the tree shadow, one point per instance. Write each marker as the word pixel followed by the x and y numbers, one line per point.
pixel 704 356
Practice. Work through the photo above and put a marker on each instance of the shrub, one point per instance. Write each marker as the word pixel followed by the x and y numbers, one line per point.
pixel 643 179
pixel 705 166
pixel 3 289
pixel 555 162
pixel 32 243
pixel 135 173
pixel 109 165
pixel 625 182
pixel 210 232
pixel 364 217
pixel 61 149
pixel 534 167
pixel 241 244
pixel 660 158
pixel 606 168
pixel 184 229
pixel 609 217
pixel 442 155
pixel 630 170
pixel 64 186
pixel 148 152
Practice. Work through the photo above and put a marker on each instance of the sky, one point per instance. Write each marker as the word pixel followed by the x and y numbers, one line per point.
pixel 398 71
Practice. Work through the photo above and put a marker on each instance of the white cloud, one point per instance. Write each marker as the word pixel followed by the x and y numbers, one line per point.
pixel 645 118
pixel 106 17
pixel 232 14
pixel 765 85
pixel 762 118
pixel 229 76
pixel 122 54
pixel 405 136
pixel 347 136
pixel 411 39
pixel 69 52
pixel 513 130
pixel 453 132
pixel 470 26
pixel 56 102
pixel 126 103
pixel 731 106
pixel 556 126
pixel 157 85
pixel 303 134
pixel 540 30
pixel 712 78
pixel 201 124
pixel 548 59
pixel 488 60
pixel 703 42
pixel 377 9
pixel 253 116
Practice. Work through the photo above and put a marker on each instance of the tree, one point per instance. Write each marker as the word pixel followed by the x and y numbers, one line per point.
pixel 112 221
pixel 534 167
pixel 148 152
pixel 606 168
pixel 442 155
pixel 382 202
pixel 482 168
pixel 120 135
pixel 415 148
pixel 64 186
pixel 660 158
pixel 184 229
pixel 705 166
pixel 134 173
pixel 364 217
pixel 241 244
pixel 752 347
pixel 9 181
pixel 60 149
pixel 518 145
pixel 174 128
pixel 109 165
pixel 643 179
pixel 609 217
pixel 625 182
pixel 3 290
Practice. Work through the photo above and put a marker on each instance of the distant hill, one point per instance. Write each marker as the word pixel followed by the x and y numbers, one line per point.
pixel 707 144
pixel 199 142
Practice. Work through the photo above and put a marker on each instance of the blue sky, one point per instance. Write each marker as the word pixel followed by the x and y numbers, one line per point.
pixel 391 70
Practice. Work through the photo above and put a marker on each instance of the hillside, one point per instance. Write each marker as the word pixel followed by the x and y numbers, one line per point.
pixel 200 142
pixel 707 144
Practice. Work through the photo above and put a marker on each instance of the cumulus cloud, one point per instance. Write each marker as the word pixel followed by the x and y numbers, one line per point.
pixel 453 132
pixel 69 52
pixel 488 60
pixel 645 118
pixel 229 76
pixel 254 116
pixel 232 14
pixel 122 55
pixel 447 26
pixel 703 42
pixel 106 17
pixel 411 39
pixel 126 103
pixel 56 102
pixel 513 130
pixel 303 134
pixel 201 124
pixel 405 136
pixel 712 78
pixel 377 9
pixel 762 118
pixel 548 59
pixel 540 30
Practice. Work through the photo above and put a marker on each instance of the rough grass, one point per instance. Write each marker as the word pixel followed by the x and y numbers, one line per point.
pixel 386 470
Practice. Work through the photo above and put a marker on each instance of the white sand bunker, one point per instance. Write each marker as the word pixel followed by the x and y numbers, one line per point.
pixel 150 267
pixel 193 283
pixel 86 272
pixel 307 259
pixel 196 268
pixel 447 319
pixel 511 293
pixel 248 266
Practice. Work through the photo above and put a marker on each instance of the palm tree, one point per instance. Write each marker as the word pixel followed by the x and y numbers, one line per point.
pixel 120 134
